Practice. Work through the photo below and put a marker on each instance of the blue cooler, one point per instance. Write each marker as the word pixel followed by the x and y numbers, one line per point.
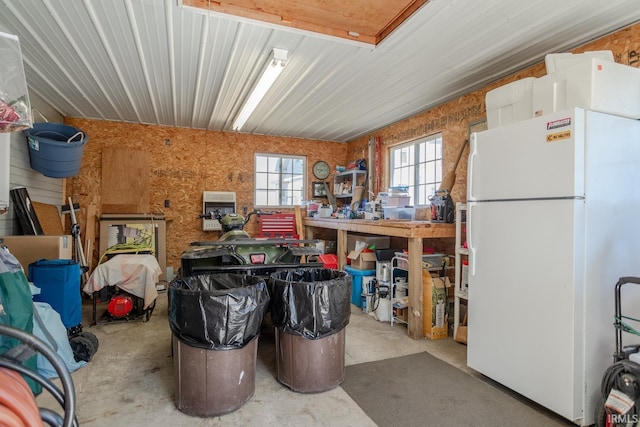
pixel 59 282
pixel 358 277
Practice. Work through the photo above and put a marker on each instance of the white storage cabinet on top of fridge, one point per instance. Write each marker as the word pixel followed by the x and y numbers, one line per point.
pixel 553 222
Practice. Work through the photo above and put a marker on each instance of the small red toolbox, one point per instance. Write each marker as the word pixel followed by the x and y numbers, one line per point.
pixel 329 261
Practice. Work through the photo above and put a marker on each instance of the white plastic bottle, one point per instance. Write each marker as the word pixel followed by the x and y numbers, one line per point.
pixel 440 313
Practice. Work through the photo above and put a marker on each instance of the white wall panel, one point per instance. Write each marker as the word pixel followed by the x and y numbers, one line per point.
pixel 41 188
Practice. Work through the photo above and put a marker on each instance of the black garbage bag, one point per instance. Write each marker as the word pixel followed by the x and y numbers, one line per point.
pixel 310 302
pixel 217 311
pixel 84 346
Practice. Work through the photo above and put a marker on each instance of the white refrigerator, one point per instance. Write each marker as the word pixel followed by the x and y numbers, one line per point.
pixel 553 221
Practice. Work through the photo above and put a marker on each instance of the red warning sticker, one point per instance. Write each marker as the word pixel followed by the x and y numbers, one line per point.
pixel 559 123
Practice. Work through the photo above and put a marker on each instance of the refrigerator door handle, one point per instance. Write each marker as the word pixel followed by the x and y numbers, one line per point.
pixel 471 247
pixel 470 162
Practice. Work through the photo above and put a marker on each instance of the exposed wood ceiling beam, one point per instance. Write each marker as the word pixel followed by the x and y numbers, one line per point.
pixel 366 21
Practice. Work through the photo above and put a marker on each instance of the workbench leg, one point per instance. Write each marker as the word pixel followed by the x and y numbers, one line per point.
pixel 415 288
pixel 341 248
pixel 308 232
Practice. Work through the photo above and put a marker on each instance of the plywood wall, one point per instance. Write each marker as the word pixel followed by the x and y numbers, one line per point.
pixel 183 163
pixel 453 118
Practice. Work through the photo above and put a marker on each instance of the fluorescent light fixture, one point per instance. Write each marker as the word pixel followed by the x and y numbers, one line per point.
pixel 277 61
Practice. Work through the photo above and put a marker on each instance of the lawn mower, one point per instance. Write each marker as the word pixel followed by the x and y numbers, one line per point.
pixel 620 386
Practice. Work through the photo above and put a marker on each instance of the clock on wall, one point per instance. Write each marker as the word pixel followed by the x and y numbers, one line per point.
pixel 321 169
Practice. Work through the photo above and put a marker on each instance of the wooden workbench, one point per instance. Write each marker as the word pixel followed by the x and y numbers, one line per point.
pixel 413 231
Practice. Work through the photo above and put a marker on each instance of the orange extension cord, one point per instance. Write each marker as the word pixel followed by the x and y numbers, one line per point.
pixel 17 404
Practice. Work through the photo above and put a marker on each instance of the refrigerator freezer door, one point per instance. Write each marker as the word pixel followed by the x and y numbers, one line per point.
pixel 525 314
pixel 537 158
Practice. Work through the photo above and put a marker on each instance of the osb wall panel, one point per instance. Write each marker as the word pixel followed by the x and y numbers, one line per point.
pixel 125 181
pixel 183 163
pixel 453 118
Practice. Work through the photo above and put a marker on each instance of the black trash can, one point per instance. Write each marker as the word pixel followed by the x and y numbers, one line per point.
pixel 215 320
pixel 310 308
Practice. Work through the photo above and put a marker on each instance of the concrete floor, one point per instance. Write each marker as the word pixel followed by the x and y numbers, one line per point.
pixel 130 380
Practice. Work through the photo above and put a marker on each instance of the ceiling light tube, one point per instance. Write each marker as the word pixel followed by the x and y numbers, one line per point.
pixel 277 61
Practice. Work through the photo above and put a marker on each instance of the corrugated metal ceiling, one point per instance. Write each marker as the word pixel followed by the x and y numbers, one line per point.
pixel 156 62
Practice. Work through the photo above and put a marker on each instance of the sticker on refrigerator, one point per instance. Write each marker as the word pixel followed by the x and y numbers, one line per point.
pixel 559 123
pixel 558 136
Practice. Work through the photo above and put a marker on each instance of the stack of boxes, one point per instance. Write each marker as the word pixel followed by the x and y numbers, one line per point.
pixel 435 291
pixel 591 80
pixel 395 204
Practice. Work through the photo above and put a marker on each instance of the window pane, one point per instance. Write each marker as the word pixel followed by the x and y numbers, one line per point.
pixel 297 197
pixel 430 171
pixel 273 181
pixel 298 166
pixel 422 173
pixel 418 165
pixel 279 180
pixel 261 180
pixel 261 198
pixel 273 198
pixel 274 164
pixel 261 164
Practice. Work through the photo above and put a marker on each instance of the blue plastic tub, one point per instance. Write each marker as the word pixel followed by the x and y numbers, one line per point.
pixel 55 150
pixel 358 276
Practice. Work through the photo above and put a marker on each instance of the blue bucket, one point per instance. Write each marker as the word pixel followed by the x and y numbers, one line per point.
pixel 55 150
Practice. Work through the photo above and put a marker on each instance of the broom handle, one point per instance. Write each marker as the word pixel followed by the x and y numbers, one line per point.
pixel 455 166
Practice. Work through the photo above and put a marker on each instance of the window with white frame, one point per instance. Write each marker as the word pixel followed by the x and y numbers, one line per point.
pixel 418 165
pixel 279 180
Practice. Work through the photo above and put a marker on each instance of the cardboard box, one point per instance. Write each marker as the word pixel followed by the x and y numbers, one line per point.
pixel 380 242
pixel 435 323
pixel 29 249
pixel 362 260
pixel 461 335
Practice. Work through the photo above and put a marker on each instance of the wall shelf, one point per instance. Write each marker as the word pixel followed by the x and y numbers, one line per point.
pixel 345 182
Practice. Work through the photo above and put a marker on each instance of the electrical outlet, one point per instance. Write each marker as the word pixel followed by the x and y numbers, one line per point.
pixel 167 203
pixel 244 210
